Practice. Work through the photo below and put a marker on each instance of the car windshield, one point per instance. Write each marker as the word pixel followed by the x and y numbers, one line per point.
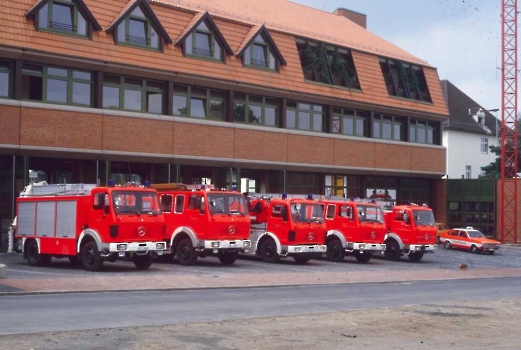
pixel 227 203
pixel 370 213
pixel 475 234
pixel 303 212
pixel 136 202
pixel 423 218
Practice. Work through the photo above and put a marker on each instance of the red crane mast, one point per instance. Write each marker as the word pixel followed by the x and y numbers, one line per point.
pixel 509 123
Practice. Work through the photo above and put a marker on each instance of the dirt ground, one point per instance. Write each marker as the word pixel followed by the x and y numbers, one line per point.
pixel 492 324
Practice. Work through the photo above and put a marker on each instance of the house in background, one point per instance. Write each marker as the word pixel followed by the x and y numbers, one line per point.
pixel 468 134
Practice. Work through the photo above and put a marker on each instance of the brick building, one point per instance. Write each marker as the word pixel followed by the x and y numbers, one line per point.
pixel 270 96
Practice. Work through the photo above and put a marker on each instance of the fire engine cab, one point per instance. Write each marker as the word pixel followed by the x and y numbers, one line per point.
pixel 201 220
pixel 355 227
pixel 411 230
pixel 286 227
pixel 89 224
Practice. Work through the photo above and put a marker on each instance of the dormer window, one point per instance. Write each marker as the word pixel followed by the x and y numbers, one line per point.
pixel 138 26
pixel 70 17
pixel 259 55
pixel 136 29
pixel 203 43
pixel 258 50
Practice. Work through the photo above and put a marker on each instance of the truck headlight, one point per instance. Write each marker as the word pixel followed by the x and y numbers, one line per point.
pixel 121 247
pixel 247 244
pixel 361 246
pixel 215 245
pixel 297 249
pixel 160 246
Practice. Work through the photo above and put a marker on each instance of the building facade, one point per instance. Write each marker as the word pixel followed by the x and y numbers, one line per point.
pixel 467 135
pixel 242 93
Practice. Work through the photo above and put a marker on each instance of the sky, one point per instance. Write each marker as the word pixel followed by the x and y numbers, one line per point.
pixel 461 38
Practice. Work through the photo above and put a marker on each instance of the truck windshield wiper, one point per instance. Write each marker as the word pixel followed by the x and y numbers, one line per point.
pixel 130 212
pixel 151 212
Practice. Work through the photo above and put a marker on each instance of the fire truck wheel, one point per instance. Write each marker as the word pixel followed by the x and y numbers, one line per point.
pixel 185 252
pixel 392 250
pixel 268 251
pixel 90 257
pixel 363 258
pixel 34 258
pixel 447 245
pixel 473 249
pixel 299 259
pixel 227 257
pixel 335 251
pixel 143 262
pixel 415 256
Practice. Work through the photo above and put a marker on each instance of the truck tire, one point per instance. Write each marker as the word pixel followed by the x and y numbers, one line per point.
pixel 268 251
pixel 90 257
pixel 473 249
pixel 363 257
pixel 335 251
pixel 417 256
pixel 185 252
pixel 34 258
pixel 299 259
pixel 447 245
pixel 393 251
pixel 227 257
pixel 142 262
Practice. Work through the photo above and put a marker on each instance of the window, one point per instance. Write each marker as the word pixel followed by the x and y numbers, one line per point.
pixel 133 94
pixel 56 85
pixel 137 30
pixel 202 43
pixel 327 64
pixel 349 122
pixel 330 214
pixel 5 79
pixel 387 127
pixel 421 131
pixel 62 16
pixel 304 116
pixel 484 145
pixel 190 101
pixel 256 110
pixel 179 203
pixel 166 203
pixel 468 171
pixel 342 186
pixel 404 80
pixel 260 55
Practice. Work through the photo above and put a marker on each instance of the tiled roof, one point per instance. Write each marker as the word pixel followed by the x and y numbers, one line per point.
pixel 83 8
pixel 458 104
pixel 196 20
pixel 291 18
pixel 251 36
pixel 148 12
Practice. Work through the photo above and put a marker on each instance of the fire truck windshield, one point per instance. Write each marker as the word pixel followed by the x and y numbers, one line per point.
pixel 227 203
pixel 423 218
pixel 307 212
pixel 370 213
pixel 135 202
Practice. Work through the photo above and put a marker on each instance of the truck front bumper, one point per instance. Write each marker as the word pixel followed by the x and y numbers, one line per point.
pixel 417 248
pixel 372 247
pixel 245 245
pixel 298 249
pixel 135 247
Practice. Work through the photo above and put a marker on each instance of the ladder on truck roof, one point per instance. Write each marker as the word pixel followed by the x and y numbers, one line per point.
pixel 40 189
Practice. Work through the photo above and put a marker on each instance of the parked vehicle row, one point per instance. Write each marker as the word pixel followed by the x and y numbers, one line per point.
pixel 91 225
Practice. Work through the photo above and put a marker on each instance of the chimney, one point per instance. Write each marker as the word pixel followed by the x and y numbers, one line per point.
pixel 358 18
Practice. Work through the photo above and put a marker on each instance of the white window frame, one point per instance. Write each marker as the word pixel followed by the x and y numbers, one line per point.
pixel 468 171
pixel 484 145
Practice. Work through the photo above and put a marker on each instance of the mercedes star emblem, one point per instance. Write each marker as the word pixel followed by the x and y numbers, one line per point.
pixel 231 230
pixel 141 231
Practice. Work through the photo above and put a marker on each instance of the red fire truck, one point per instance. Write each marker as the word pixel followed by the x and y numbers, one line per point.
pixel 286 227
pixel 89 224
pixel 411 230
pixel 201 220
pixel 353 227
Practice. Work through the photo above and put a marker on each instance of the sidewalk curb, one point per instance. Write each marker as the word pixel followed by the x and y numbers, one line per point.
pixel 24 293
